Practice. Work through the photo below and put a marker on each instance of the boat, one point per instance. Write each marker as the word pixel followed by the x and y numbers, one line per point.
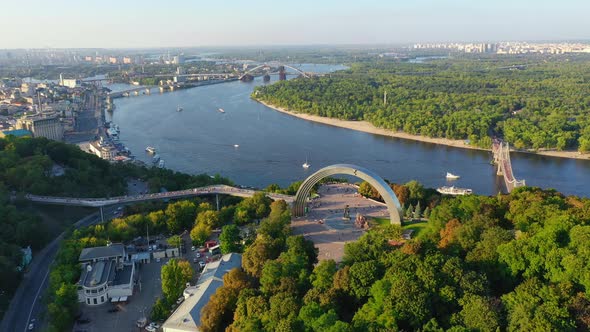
pixel 179 109
pixel 161 163
pixel 451 176
pixel 236 145
pixel 156 158
pixel 220 110
pixel 455 191
pixel 306 165
pixel 150 149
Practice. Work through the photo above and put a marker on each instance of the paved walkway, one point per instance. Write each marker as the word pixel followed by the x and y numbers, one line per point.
pixel 324 224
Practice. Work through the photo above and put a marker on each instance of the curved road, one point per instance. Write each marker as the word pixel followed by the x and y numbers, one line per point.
pixel 26 302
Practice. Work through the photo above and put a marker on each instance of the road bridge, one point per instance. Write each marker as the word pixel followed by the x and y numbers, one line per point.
pixel 201 191
pixel 501 151
pixel 128 92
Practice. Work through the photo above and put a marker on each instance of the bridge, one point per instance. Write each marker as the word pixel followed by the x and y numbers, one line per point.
pixel 501 151
pixel 270 64
pixel 128 92
pixel 201 191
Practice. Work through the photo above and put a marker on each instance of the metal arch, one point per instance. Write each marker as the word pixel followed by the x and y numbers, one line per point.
pixel 278 63
pixel 393 205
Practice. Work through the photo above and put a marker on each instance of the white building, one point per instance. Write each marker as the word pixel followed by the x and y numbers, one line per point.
pixel 106 275
pixel 187 317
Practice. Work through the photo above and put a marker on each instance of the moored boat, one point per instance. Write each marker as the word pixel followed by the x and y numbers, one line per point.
pixel 455 191
pixel 150 149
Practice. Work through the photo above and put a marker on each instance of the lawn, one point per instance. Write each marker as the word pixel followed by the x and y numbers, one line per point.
pixel 417 225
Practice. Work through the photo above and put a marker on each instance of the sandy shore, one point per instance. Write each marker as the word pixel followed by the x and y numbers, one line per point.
pixel 367 127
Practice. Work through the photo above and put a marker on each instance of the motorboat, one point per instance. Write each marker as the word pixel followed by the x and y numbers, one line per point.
pixel 150 149
pixel 236 145
pixel 179 109
pixel 306 165
pixel 451 176
pixel 455 191
pixel 220 110
pixel 156 158
pixel 161 164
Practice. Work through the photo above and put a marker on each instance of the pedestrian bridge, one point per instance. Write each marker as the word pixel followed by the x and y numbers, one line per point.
pixel 201 191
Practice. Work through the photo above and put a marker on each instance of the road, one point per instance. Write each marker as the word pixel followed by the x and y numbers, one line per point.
pixel 26 302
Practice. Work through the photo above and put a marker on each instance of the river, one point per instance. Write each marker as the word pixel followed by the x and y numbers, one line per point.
pixel 273 145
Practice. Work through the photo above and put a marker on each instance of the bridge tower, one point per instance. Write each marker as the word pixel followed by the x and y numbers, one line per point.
pixel 282 73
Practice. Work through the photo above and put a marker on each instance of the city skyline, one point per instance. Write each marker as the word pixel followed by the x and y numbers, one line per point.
pixel 111 24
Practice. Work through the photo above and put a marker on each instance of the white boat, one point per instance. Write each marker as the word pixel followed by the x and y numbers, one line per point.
pixel 150 149
pixel 220 110
pixel 161 163
pixel 236 145
pixel 156 158
pixel 306 165
pixel 455 191
pixel 451 176
pixel 179 109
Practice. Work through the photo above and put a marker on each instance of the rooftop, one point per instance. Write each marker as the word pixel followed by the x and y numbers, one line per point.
pixel 114 250
pixel 17 132
pixel 187 317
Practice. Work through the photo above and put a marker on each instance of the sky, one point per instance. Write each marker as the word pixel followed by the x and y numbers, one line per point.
pixel 193 23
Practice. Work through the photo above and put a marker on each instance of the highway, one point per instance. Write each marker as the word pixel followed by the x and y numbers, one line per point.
pixel 27 302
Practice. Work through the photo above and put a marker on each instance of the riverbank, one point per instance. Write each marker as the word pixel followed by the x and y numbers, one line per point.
pixel 368 127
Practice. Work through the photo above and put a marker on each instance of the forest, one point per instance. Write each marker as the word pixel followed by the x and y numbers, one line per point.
pixel 509 262
pixel 533 102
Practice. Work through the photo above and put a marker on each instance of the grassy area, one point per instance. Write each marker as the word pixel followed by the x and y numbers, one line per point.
pixel 417 225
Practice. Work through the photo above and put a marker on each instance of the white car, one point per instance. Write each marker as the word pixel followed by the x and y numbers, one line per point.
pixel 158 260
pixel 198 255
pixel 154 325
pixel 193 248
pixel 150 328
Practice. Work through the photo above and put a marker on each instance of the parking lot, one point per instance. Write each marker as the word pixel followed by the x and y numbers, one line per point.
pixel 148 289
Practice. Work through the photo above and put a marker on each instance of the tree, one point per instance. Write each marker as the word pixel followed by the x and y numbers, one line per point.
pixel 323 274
pixel 426 213
pixel 480 313
pixel 160 310
pixel 409 211
pixel 173 280
pixel 180 215
pixel 362 276
pixel 209 218
pixel 187 269
pixel 174 241
pixel 417 211
pixel 200 233
pixel 229 239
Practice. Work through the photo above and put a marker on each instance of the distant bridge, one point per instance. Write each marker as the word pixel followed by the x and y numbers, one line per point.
pixel 201 191
pixel 128 92
pixel 270 64
pixel 501 151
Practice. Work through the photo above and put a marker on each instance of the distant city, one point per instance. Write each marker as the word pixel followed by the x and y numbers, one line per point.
pixel 510 47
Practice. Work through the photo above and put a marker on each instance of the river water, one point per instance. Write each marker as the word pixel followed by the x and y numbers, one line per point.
pixel 273 145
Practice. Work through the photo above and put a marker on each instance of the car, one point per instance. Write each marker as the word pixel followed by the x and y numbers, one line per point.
pixel 154 325
pixel 195 260
pixel 201 264
pixel 32 325
pixel 113 309
pixel 198 255
pixel 193 248
pixel 150 328
pixel 158 260
pixel 83 321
